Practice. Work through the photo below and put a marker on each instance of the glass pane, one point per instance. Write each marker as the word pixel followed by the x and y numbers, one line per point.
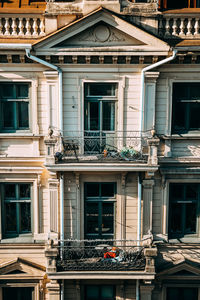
pixel 107 217
pixel 189 293
pixel 108 116
pixel 102 89
pixel 23 118
pixel 176 218
pixel 194 116
pixel 192 192
pixel 94 116
pixel 24 191
pixel 25 213
pixel 176 191
pixel 18 293
pixel 107 292
pixel 92 190
pixel 173 294
pixel 10 217
pixel 194 91
pixel 10 191
pixel 179 116
pixel 92 215
pixel 107 190
pixel 7 91
pixel 8 114
pixel 92 292
pixel 22 90
pixel 190 219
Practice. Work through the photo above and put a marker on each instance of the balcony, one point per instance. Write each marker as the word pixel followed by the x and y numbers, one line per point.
pixel 99 256
pixel 105 146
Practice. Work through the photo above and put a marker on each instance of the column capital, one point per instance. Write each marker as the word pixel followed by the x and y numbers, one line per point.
pixel 148 183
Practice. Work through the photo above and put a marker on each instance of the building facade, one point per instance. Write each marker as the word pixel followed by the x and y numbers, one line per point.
pixel 99 150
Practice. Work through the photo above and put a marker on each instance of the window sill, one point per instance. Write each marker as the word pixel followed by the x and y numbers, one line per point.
pixel 182 136
pixel 18 135
pixel 23 238
pixel 189 239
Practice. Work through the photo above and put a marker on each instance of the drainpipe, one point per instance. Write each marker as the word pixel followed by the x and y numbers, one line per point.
pixel 60 79
pixel 142 94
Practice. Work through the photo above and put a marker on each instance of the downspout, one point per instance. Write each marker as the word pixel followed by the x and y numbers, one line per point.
pixel 142 94
pixel 60 83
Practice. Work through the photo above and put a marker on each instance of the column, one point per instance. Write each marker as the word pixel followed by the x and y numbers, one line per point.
pixel 146 291
pixel 147 206
pixel 53 288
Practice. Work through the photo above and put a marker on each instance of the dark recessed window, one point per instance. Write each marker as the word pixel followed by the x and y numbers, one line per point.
pixel 183 209
pixel 99 210
pixel 18 293
pixel 16 209
pixel 14 106
pixel 186 107
pixel 178 4
pixel 99 292
pixel 182 293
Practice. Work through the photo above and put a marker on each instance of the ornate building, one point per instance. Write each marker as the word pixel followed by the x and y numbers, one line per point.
pixel 99 150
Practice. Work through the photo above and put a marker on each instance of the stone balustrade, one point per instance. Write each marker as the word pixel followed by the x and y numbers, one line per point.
pixel 180 26
pixel 22 26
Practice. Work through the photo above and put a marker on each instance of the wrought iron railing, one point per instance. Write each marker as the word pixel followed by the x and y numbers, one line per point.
pixel 100 255
pixel 124 145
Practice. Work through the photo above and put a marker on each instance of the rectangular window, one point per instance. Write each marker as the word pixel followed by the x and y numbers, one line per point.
pixel 99 292
pixel 182 293
pixel 18 293
pixel 183 209
pixel 16 209
pixel 14 106
pixel 186 107
pixel 99 210
pixel 171 4
pixel 99 116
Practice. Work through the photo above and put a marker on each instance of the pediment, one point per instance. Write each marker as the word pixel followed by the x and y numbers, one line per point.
pixel 182 269
pixel 21 268
pixel 100 31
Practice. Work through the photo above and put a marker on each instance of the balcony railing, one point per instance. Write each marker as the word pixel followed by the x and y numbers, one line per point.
pixel 107 145
pixel 100 255
pixel 22 26
pixel 180 26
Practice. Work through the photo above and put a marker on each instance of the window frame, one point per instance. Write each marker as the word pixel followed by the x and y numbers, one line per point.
pixel 179 285
pixel 17 233
pixel 100 200
pixel 163 4
pixel 100 287
pixel 15 99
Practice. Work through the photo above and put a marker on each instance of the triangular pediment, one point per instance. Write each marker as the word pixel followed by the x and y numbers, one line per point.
pixel 182 269
pixel 20 268
pixel 100 31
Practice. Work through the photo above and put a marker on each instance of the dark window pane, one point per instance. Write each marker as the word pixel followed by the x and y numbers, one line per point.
pixel 8 114
pixel 176 191
pixel 25 213
pixel 92 292
pixel 194 115
pixel 190 294
pixel 23 118
pixel 179 116
pixel 10 217
pixel 10 191
pixel 7 91
pixel 176 218
pixel 107 217
pixel 24 191
pixel 92 217
pixel 178 293
pixel 94 116
pixel 102 89
pixel 22 90
pixel 191 192
pixel 107 292
pixel 92 190
pixel 18 293
pixel 190 220
pixel 108 116
pixel 107 190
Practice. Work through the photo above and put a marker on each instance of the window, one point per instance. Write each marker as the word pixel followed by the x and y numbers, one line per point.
pixel 100 102
pixel 16 209
pixel 14 106
pixel 183 209
pixel 18 293
pixel 100 292
pixel 186 107
pixel 180 293
pixel 99 210
pixel 171 4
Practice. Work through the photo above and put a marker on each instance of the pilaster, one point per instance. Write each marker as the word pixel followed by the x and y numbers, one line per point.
pixel 147 206
pixel 146 292
pixel 53 288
